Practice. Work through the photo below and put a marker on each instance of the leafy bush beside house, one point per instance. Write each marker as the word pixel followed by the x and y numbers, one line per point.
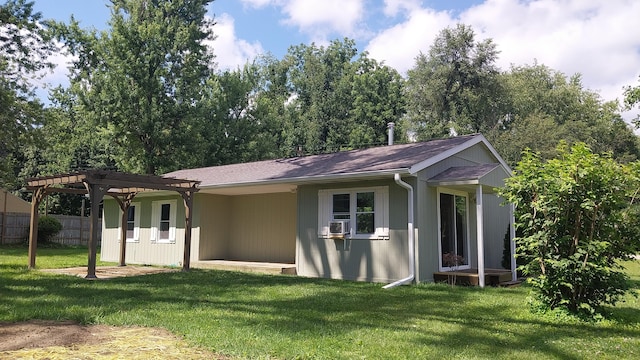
pixel 576 217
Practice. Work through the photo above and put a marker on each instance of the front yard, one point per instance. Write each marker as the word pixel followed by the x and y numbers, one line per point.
pixel 240 315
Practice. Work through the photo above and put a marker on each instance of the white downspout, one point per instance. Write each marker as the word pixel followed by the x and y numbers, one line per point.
pixel 410 236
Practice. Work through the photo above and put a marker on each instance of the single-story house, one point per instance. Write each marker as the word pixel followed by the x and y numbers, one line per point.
pixel 391 214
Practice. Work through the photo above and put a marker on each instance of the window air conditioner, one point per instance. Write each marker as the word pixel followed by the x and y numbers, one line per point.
pixel 339 228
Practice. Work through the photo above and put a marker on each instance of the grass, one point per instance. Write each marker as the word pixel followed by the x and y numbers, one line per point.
pixel 263 316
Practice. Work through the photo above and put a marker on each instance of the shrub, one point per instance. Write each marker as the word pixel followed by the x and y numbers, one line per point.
pixel 574 221
pixel 48 227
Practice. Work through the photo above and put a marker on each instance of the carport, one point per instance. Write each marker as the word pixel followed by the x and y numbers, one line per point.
pixel 121 186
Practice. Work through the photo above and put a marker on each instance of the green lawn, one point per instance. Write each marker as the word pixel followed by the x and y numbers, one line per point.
pixel 261 316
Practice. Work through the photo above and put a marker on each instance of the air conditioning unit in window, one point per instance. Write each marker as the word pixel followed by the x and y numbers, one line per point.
pixel 339 228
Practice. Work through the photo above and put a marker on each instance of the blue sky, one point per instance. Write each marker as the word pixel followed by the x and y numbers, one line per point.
pixel 598 39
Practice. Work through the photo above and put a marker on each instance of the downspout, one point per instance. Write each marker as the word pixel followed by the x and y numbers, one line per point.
pixel 410 236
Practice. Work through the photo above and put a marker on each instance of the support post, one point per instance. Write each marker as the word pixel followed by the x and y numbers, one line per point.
pixel 38 194
pixel 480 235
pixel 187 196
pixel 124 203
pixel 512 243
pixel 96 193
pixel 4 217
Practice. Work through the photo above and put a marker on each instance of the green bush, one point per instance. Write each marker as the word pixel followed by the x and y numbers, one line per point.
pixel 575 224
pixel 48 227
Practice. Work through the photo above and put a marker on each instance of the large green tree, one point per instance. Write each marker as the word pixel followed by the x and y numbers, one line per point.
pixel 631 99
pixel 334 98
pixel 142 81
pixel 543 106
pixel 26 45
pixel 454 86
pixel 576 217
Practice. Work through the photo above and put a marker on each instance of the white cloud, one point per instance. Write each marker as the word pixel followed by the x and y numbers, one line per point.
pixel 230 51
pixel 598 39
pixel 319 18
pixel 394 7
pixel 256 4
pixel 399 45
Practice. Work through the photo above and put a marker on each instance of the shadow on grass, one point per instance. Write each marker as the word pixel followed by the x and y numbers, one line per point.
pixel 297 309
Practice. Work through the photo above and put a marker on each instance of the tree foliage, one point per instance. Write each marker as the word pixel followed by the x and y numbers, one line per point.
pixel 631 99
pixel 454 86
pixel 543 106
pixel 142 80
pixel 575 214
pixel 26 45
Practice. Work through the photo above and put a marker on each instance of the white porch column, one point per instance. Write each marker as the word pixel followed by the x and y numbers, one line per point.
pixel 512 243
pixel 480 235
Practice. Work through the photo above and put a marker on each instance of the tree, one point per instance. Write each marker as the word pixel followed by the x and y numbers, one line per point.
pixel 631 99
pixel 330 102
pixel 143 80
pixel 543 106
pixel 26 45
pixel 574 216
pixel 454 86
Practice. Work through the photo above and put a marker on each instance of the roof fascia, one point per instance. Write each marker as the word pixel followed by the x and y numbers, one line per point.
pixel 316 179
pixel 479 138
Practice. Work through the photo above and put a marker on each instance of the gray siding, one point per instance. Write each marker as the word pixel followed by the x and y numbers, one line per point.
pixel 144 251
pixel 363 260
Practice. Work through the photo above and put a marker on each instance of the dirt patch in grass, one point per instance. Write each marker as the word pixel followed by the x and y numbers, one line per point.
pixel 68 340
pixel 110 272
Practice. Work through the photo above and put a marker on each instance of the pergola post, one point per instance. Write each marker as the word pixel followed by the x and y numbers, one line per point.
pixel 96 193
pixel 187 196
pixel 512 243
pixel 480 235
pixel 38 194
pixel 124 203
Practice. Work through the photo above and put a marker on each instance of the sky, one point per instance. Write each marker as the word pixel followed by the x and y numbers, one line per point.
pixel 599 39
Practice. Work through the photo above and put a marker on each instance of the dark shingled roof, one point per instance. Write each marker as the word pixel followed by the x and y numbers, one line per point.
pixel 460 173
pixel 354 162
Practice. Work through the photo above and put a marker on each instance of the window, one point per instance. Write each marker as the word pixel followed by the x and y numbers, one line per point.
pixel 454 240
pixel 133 223
pixel 366 209
pixel 163 227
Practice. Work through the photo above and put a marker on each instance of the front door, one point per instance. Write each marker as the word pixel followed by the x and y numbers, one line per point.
pixel 453 230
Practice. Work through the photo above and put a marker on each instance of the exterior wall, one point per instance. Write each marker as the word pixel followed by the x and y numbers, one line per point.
pixel 10 203
pixel 212 227
pixel 363 260
pixel 247 227
pixel 495 221
pixel 263 228
pixel 144 251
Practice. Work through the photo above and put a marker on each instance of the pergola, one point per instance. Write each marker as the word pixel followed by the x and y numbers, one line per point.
pixel 121 186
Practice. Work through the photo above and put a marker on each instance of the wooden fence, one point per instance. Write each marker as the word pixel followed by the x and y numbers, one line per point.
pixel 14 229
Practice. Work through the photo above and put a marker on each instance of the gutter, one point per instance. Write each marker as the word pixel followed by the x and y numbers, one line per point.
pixel 410 236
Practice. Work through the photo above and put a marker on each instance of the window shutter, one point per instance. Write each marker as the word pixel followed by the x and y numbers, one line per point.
pixel 323 213
pixel 136 221
pixel 155 221
pixel 172 221
pixel 382 212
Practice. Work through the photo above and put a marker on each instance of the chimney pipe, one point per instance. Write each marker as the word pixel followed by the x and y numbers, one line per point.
pixel 390 126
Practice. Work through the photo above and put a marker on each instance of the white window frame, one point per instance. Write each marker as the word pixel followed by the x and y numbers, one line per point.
pixel 136 223
pixel 381 212
pixel 156 207
pixel 468 240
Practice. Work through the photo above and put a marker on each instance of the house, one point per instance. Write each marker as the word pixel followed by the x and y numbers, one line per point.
pixel 392 214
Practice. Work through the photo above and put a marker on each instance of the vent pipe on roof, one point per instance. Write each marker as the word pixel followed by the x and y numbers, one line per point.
pixel 390 126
